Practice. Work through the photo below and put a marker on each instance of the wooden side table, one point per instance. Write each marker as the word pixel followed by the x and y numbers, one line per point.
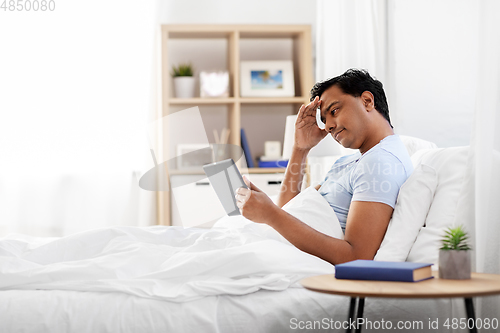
pixel 479 285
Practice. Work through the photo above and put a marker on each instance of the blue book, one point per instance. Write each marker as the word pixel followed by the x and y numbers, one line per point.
pixel 273 164
pixel 246 149
pixel 383 271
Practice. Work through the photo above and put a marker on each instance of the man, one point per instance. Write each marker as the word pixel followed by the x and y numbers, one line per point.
pixel 361 188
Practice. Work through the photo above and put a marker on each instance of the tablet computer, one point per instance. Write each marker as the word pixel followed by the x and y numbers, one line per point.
pixel 225 179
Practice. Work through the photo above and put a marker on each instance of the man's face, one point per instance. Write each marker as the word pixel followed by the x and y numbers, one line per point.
pixel 344 117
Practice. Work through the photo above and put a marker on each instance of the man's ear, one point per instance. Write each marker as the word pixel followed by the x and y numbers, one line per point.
pixel 368 100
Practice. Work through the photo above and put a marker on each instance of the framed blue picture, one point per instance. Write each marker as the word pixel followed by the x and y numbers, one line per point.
pixel 267 79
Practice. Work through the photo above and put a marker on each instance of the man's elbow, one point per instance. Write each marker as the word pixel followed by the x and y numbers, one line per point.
pixel 357 252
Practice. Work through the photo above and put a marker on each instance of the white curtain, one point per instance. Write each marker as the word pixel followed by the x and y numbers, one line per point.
pixel 351 34
pixel 76 83
pixel 486 141
pixel 481 189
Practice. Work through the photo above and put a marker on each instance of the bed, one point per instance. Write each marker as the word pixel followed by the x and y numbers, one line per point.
pixel 236 277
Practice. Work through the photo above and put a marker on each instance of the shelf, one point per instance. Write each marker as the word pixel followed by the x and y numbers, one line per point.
pixel 201 101
pixel 245 31
pixel 273 100
pixel 243 170
pixel 263 170
pixel 242 100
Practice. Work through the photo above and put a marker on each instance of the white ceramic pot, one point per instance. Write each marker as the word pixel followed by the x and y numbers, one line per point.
pixel 454 264
pixel 184 86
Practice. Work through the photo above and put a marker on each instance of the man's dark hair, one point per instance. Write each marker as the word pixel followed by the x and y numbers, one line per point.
pixel 354 82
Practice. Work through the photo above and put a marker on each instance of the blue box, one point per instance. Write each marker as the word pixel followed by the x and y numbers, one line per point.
pixel 273 164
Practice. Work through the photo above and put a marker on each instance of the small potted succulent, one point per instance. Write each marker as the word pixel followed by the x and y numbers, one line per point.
pixel 454 255
pixel 184 81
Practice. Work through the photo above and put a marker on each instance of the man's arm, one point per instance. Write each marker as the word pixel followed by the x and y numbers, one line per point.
pixel 294 175
pixel 307 135
pixel 365 228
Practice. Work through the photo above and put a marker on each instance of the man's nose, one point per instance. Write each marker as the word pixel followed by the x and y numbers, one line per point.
pixel 330 126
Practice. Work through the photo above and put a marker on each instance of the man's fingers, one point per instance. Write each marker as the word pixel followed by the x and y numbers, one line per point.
pixel 242 195
pixel 247 182
pixel 240 198
pixel 310 109
pixel 242 192
pixel 251 185
pixel 304 109
pixel 300 114
pixel 255 188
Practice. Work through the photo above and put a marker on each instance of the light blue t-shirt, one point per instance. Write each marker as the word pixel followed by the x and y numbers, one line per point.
pixel 375 176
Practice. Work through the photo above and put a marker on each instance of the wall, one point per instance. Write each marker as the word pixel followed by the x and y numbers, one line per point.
pixel 238 12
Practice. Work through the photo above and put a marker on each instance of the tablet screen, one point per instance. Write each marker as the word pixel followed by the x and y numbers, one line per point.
pixel 225 179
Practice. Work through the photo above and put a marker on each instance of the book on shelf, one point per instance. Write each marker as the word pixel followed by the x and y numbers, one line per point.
pixel 384 271
pixel 246 149
pixel 266 162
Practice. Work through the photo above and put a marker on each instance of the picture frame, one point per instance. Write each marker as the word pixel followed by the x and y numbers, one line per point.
pixel 267 78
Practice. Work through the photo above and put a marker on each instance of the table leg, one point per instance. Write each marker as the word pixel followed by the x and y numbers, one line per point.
pixel 352 308
pixel 469 307
pixel 361 306
pixel 359 314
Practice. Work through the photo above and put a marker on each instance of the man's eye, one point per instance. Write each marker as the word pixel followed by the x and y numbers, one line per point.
pixel 333 111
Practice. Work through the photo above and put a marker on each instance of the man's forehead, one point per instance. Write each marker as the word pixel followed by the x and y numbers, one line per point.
pixel 334 90
pixel 330 95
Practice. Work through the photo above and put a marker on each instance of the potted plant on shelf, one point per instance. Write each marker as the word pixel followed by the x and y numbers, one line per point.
pixel 454 255
pixel 184 81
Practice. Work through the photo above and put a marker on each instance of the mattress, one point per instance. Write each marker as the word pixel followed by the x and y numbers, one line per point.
pixel 291 310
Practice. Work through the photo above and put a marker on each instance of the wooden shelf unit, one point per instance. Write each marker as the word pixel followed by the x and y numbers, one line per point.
pixel 234 35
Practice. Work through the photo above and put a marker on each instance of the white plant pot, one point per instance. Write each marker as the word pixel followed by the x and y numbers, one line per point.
pixel 454 264
pixel 184 86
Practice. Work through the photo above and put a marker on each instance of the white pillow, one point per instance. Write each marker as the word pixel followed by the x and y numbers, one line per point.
pixel 312 208
pixel 414 199
pixel 413 144
pixel 450 165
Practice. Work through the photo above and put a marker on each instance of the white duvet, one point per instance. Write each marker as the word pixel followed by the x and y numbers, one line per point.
pixel 170 263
